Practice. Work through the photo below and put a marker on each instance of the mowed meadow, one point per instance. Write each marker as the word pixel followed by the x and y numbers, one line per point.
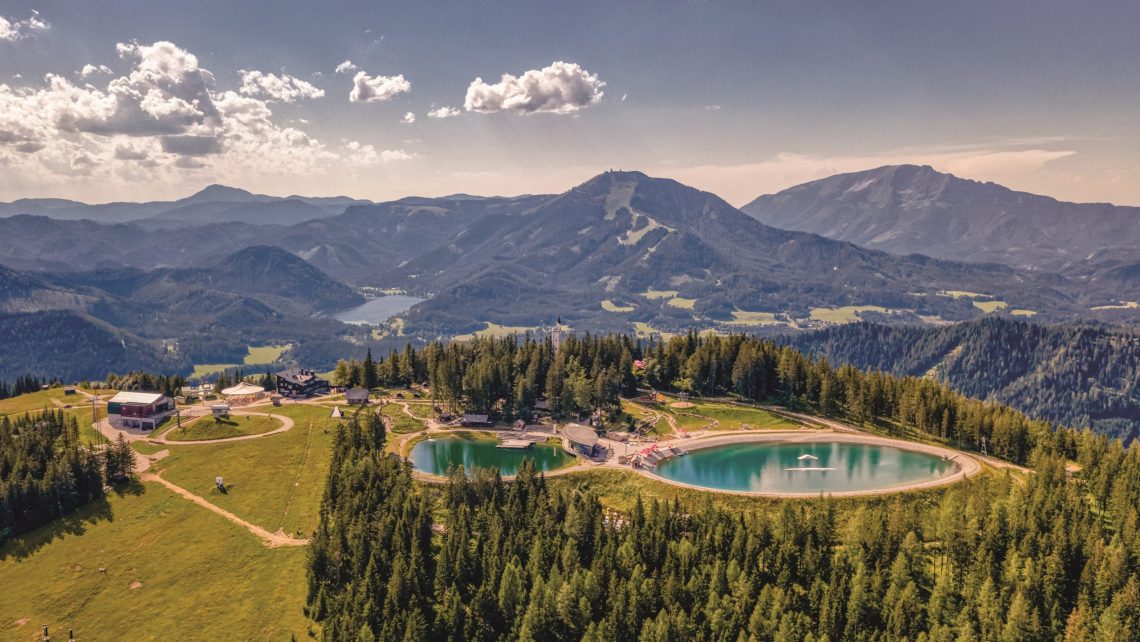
pixel 146 564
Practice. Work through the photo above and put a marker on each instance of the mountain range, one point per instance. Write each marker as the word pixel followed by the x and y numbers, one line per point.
pixel 908 209
pixel 621 252
pixel 213 204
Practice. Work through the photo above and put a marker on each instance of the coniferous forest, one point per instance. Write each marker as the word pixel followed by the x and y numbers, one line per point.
pixel 45 471
pixel 506 376
pixel 1051 558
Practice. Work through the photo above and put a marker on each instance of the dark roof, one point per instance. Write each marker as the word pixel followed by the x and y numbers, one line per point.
pixel 542 404
pixel 298 375
pixel 356 393
pixel 579 434
pixel 477 419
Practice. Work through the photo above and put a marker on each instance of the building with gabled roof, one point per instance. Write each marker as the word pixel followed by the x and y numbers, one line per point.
pixel 300 382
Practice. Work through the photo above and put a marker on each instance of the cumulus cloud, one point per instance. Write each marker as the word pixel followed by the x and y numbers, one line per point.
pixel 284 88
pixel 164 116
pixel 561 88
pixel 12 30
pixel 345 67
pixel 362 154
pixel 90 70
pixel 444 112
pixel 409 118
pixel 369 89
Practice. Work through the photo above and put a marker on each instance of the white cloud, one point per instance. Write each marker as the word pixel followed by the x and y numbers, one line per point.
pixel 444 112
pixel 90 70
pixel 284 88
pixel 368 89
pixel 362 154
pixel 712 107
pixel 345 67
pixel 12 30
pixel 408 118
pixel 162 118
pixel 561 88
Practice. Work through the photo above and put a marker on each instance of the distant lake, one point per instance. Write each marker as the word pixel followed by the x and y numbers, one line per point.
pixel 378 310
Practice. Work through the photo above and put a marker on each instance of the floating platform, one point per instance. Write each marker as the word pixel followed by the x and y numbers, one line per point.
pixel 515 444
pixel 807 458
pixel 807 469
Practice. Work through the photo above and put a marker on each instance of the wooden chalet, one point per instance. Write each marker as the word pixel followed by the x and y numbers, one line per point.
pixel 356 396
pixel 300 382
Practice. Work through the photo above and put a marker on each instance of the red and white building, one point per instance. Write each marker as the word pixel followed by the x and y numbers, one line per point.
pixel 143 410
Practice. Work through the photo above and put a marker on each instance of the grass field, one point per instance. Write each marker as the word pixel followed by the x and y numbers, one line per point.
pixel 259 356
pixel 422 410
pixel 732 417
pixel 146 448
pixel 263 355
pixel 989 306
pixel 45 399
pixel 963 294
pixel 644 330
pixel 1123 305
pixel 496 330
pixel 210 428
pixel 610 306
pixel 682 303
pixel 174 571
pixel 659 294
pixel 1023 313
pixel 744 317
pixel 274 482
pixel 845 314
pixel 401 422
pixel 207 369
pixel 39 400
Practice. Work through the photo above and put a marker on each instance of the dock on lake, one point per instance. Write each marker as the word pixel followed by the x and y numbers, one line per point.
pixel 515 444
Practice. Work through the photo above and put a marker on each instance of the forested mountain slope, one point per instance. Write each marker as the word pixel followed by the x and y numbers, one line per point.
pixel 1079 375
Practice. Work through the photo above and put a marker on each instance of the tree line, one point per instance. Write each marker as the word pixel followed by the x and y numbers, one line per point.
pixel 1054 557
pixel 590 374
pixel 22 385
pixel 46 471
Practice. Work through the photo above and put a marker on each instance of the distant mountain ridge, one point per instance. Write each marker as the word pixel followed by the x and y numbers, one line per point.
pixel 211 204
pixel 257 295
pixel 905 209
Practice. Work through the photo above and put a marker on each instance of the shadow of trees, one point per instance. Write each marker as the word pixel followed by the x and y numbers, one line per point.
pixel 76 523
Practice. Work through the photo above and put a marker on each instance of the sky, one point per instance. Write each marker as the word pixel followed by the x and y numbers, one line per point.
pixel 122 100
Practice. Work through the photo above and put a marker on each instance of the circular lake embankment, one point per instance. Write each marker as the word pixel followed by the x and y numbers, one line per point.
pixel 811 465
pixel 437 455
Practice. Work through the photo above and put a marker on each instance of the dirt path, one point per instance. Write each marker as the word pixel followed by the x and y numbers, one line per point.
pixel 271 540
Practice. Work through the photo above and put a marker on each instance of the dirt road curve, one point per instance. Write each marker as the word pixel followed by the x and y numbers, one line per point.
pixel 272 540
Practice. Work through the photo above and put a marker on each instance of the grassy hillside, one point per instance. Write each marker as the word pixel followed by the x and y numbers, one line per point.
pixel 173 567
pixel 170 566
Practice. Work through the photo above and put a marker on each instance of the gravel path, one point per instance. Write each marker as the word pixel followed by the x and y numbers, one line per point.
pixel 272 540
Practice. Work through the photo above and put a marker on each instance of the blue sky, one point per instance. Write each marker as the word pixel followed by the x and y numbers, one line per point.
pixel 740 98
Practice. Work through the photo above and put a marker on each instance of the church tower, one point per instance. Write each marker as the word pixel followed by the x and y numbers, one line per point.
pixel 556 335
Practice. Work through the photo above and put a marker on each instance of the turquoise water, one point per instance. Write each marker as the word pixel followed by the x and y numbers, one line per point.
pixel 435 456
pixel 778 467
pixel 378 310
